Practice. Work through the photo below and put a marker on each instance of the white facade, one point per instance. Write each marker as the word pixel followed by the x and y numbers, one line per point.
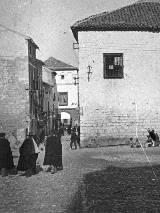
pixel 113 110
pixel 66 83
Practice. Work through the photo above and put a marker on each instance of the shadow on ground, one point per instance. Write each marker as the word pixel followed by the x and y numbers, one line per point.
pixel 120 190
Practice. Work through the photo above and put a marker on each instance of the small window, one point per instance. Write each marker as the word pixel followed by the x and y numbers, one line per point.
pixel 62 76
pixel 113 65
pixel 63 98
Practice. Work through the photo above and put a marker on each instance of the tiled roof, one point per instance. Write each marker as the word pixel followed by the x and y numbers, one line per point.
pixel 58 65
pixel 141 16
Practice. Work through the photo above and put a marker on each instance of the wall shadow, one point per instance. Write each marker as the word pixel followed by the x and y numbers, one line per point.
pixel 119 190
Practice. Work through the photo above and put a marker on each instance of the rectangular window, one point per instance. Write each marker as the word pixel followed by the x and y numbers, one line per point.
pixel 63 98
pixel 62 76
pixel 113 65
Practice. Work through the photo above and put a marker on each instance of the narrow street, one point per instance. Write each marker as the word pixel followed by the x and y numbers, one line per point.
pixel 46 192
pixel 119 174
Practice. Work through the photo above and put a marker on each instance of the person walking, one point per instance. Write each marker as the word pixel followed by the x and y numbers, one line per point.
pixel 6 158
pixel 28 156
pixel 51 148
pixel 73 139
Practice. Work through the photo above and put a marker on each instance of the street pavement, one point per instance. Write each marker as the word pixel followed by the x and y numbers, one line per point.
pixel 46 192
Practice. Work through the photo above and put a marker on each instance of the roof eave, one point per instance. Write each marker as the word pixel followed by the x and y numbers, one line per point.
pixel 117 27
pixel 63 68
pixel 47 84
pixel 75 33
pixel 30 39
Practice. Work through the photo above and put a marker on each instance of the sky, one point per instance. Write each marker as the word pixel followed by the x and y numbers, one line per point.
pixel 48 22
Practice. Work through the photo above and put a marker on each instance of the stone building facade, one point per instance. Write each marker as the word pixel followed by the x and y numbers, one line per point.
pixel 21 84
pixel 119 74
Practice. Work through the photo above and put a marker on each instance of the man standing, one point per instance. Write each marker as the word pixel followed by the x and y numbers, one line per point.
pixel 6 158
pixel 73 139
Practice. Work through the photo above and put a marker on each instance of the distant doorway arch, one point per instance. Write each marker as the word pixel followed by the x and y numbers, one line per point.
pixel 74 115
pixel 65 118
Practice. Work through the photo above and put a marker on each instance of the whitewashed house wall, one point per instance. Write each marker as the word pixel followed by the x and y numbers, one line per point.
pixel 67 85
pixel 112 108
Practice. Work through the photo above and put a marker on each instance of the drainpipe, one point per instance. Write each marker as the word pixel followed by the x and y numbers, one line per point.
pixel 78 97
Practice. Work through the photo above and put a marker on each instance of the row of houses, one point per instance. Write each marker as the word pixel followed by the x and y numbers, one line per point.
pixel 68 90
pixel 29 97
pixel 119 73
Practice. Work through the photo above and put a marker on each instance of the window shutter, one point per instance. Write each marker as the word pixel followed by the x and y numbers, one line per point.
pixel 113 65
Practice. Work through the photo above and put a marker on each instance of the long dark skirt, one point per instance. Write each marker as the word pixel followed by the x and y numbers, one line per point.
pixel 27 162
pixel 6 157
pixel 6 162
pixel 59 156
pixel 50 160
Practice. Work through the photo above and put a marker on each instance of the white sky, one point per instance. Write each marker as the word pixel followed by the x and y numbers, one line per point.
pixel 48 22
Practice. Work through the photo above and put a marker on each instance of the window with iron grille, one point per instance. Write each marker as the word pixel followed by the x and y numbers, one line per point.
pixel 113 65
pixel 63 98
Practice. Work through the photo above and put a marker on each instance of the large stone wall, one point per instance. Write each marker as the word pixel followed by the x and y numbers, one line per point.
pixel 14 100
pixel 113 110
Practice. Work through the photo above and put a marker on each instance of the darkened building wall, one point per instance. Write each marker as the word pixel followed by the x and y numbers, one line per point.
pixel 50 100
pixel 14 83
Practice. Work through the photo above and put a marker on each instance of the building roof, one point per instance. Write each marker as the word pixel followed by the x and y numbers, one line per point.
pixel 143 15
pixel 58 65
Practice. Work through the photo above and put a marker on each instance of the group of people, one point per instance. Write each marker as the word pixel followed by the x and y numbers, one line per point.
pixel 74 132
pixel 152 140
pixel 29 151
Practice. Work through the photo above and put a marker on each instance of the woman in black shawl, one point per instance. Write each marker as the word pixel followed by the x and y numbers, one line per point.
pixel 53 152
pixel 59 152
pixel 28 156
pixel 6 158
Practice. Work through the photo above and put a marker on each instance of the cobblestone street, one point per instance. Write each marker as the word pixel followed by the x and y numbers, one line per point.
pixel 107 171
